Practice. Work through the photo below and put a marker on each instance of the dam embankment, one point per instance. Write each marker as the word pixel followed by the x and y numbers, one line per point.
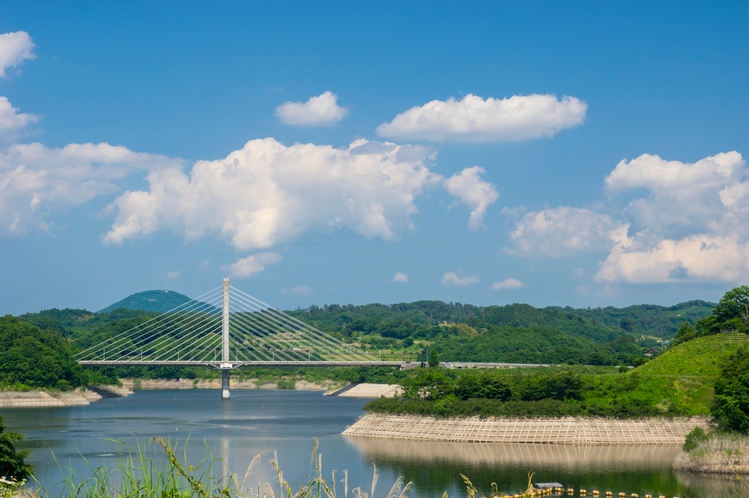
pixel 568 430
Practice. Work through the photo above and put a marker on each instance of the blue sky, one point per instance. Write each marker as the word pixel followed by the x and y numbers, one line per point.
pixel 582 154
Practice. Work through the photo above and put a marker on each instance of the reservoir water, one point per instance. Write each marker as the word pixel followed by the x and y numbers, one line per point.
pixel 256 422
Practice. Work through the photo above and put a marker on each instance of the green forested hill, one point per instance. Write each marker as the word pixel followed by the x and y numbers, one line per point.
pixel 517 333
pixel 157 301
pixel 34 358
pixel 600 324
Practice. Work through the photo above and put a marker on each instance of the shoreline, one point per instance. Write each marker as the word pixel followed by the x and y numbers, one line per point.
pixel 567 430
pixel 720 454
pixel 180 384
pixel 58 399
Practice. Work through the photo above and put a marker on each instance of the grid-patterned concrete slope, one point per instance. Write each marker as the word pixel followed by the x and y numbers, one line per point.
pixel 372 391
pixel 579 431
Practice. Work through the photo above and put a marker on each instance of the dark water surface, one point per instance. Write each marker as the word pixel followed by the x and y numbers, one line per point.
pixel 259 422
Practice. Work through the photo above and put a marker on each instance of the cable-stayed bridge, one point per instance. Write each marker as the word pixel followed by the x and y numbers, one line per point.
pixel 225 328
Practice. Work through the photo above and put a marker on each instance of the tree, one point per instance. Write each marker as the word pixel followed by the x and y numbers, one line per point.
pixel 12 463
pixel 730 408
pixel 685 333
pixel 732 311
pixel 434 359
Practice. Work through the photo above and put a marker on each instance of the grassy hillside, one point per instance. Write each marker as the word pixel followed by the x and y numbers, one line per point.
pixel 157 301
pixel 700 357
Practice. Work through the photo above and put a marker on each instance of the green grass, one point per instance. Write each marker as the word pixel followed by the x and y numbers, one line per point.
pixel 701 357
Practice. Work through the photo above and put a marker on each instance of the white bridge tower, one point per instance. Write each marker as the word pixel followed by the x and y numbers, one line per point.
pixel 226 365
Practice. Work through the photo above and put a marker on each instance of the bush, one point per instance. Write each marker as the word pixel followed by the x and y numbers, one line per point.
pixel 12 463
pixel 694 438
pixel 489 385
pixel 286 384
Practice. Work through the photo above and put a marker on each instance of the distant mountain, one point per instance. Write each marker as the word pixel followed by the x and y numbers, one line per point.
pixel 153 300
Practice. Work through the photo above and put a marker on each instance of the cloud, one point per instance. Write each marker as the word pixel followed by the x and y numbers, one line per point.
pixel 692 224
pixel 680 222
pixel 509 283
pixel 451 278
pixel 563 231
pixel 477 194
pixel 683 199
pixel 267 193
pixel 697 257
pixel 299 290
pixel 173 274
pixel 473 119
pixel 400 277
pixel 11 120
pixel 14 49
pixel 322 110
pixel 37 182
pixel 251 265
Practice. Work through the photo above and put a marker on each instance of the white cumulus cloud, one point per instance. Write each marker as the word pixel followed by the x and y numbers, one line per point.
pixel 474 119
pixel 12 120
pixel 683 198
pixel 173 274
pixel 14 49
pixel 322 110
pixel 37 182
pixel 477 194
pixel 451 278
pixel 268 193
pixel 510 283
pixel 681 222
pixel 563 231
pixel 251 265
pixel 700 257
pixel 400 277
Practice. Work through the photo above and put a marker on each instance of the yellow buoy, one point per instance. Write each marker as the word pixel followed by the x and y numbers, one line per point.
pixel 596 492
pixel 583 492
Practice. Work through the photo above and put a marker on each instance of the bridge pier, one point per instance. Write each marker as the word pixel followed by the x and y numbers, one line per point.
pixel 225 393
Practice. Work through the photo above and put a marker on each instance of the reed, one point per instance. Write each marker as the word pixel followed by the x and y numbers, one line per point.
pixel 168 474
pixel 722 453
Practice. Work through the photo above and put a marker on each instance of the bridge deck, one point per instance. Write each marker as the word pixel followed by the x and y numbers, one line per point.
pixel 237 364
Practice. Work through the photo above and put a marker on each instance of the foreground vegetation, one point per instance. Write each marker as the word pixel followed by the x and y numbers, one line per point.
pixel 12 462
pixel 140 473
